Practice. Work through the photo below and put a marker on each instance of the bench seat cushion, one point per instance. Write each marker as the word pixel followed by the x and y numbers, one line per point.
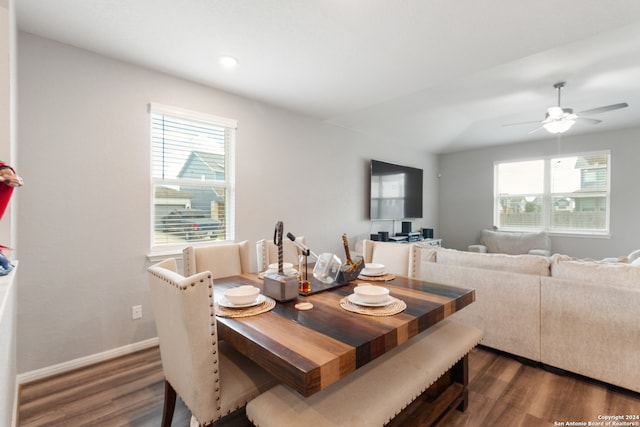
pixel 375 393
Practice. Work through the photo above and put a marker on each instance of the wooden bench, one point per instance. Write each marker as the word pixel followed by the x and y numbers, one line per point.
pixel 375 393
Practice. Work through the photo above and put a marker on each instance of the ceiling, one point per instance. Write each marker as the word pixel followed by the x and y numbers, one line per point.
pixel 437 75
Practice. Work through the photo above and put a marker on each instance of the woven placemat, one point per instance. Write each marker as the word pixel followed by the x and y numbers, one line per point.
pixel 383 278
pixel 263 307
pixel 392 308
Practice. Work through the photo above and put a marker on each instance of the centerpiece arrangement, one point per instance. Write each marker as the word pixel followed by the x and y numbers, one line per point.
pixel 328 272
pixel 278 285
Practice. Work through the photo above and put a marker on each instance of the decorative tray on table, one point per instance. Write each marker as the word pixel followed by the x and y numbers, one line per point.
pixel 317 286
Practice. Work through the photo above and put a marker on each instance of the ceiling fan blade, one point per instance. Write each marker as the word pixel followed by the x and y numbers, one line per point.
pixel 535 130
pixel 559 120
pixel 603 109
pixel 589 120
pixel 522 123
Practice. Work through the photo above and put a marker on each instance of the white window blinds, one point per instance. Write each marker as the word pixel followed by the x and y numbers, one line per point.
pixel 192 175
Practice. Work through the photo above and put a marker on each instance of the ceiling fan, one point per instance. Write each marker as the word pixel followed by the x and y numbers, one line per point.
pixel 560 120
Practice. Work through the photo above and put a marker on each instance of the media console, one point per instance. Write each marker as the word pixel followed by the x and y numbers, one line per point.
pixel 405 239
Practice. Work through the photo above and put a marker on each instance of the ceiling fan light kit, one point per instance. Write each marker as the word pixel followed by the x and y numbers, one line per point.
pixel 560 126
pixel 560 120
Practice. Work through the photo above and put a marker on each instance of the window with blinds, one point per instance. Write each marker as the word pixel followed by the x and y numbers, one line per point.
pixel 192 176
pixel 568 194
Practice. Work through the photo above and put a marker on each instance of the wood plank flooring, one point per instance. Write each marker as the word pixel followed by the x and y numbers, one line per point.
pixel 128 391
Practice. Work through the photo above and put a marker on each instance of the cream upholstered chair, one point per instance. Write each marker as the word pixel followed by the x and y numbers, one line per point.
pixel 398 258
pixel 222 260
pixel 267 252
pixel 210 377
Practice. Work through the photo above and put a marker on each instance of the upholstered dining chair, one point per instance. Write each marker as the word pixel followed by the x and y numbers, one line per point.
pixel 267 252
pixel 398 258
pixel 221 260
pixel 210 377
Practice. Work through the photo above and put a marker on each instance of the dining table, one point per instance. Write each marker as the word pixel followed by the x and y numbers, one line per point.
pixel 319 338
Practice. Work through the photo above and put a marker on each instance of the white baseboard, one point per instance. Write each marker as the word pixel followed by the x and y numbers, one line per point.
pixel 84 361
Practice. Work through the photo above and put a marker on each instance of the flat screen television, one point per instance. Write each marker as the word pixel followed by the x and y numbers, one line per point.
pixel 395 191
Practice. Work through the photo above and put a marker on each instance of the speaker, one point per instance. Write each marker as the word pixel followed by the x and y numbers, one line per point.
pixel 406 226
pixel 383 236
pixel 427 233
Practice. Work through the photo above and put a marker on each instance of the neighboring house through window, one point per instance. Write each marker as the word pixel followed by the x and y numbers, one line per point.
pixel 563 194
pixel 192 178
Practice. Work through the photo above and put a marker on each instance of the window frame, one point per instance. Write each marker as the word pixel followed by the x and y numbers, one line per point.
pixel 548 196
pixel 230 125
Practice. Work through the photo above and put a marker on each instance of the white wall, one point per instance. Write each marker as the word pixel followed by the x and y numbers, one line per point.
pixel 84 215
pixel 8 293
pixel 8 99
pixel 466 191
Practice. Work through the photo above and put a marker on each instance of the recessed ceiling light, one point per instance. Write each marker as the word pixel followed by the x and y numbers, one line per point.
pixel 228 61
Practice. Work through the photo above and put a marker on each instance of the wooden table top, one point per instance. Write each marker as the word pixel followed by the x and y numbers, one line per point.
pixel 309 350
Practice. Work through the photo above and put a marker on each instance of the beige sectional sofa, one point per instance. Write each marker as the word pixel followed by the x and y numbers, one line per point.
pixel 507 306
pixel 581 316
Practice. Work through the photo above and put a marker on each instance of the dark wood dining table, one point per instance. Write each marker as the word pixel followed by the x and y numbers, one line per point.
pixel 309 350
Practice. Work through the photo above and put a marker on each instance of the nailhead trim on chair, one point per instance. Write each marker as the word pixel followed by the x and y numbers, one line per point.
pixel 264 255
pixel 212 315
pixel 183 285
pixel 214 341
pixel 186 261
pixel 413 251
pixel 214 344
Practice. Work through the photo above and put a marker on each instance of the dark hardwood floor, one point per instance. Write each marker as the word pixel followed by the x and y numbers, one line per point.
pixel 127 391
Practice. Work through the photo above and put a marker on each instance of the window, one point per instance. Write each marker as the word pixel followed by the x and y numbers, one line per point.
pixel 192 176
pixel 568 194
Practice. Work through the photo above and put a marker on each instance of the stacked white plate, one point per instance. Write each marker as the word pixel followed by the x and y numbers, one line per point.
pixel 373 270
pixel 370 295
pixel 223 302
pixel 241 297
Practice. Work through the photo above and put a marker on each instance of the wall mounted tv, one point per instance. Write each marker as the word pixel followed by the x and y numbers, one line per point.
pixel 395 191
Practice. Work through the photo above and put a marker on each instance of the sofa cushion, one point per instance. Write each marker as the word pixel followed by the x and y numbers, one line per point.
pixel 525 264
pixel 514 243
pixel 604 273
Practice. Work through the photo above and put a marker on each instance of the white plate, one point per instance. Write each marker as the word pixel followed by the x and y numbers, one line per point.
pixel 223 302
pixel 364 272
pixel 354 299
